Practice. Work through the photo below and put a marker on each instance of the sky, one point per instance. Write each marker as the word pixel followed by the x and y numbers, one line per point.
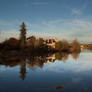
pixel 63 19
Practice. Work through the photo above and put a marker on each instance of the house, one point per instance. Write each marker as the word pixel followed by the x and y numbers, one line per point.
pixel 50 42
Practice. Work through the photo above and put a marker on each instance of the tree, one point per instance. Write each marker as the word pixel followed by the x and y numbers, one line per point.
pixel 62 45
pixel 76 45
pixel 12 42
pixel 23 36
pixel 65 45
pixel 41 41
pixel 58 45
pixel 32 41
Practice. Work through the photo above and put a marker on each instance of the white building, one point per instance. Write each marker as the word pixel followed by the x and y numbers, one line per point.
pixel 50 42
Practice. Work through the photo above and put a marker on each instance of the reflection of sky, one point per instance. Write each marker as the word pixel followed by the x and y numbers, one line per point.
pixel 73 75
pixel 47 18
pixel 82 64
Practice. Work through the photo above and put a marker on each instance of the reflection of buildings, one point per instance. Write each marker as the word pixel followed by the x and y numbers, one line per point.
pixel 50 59
pixel 50 42
pixel 82 47
pixel 32 62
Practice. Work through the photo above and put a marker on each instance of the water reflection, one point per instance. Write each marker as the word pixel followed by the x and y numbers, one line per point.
pixel 75 55
pixel 47 73
pixel 33 62
pixel 22 69
pixel 59 87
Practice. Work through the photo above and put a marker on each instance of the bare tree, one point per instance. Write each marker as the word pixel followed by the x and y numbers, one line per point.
pixel 76 45
pixel 65 45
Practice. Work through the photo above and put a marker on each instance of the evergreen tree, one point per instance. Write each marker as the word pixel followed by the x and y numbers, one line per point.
pixel 23 36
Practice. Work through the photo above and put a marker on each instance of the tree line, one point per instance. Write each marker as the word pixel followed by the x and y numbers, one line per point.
pixel 37 44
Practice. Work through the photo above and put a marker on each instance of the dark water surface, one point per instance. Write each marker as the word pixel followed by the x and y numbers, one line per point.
pixel 57 73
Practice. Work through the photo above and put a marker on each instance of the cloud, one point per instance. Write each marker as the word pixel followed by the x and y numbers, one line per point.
pixel 82 30
pixel 8 25
pixel 60 28
pixel 33 2
pixel 4 23
pixel 85 4
pixel 63 29
pixel 69 29
pixel 76 12
pixel 9 33
pixel 53 22
pixel 39 3
pixel 79 11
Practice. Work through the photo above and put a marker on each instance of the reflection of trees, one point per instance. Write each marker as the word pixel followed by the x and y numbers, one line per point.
pixel 36 61
pixel 13 63
pixel 33 62
pixel 75 55
pixel 22 69
pixel 61 56
pixel 76 45
pixel 65 56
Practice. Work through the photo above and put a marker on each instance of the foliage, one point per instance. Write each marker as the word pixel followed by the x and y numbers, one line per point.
pixel 76 45
pixel 89 47
pixel 23 36
pixel 62 45
pixel 58 45
pixel 31 41
pixel 35 43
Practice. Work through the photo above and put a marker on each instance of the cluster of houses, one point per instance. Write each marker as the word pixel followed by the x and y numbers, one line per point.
pixel 50 42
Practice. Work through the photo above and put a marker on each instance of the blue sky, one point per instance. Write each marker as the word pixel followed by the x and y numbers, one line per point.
pixel 64 19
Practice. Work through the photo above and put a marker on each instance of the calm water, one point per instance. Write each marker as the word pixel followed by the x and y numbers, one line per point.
pixel 57 73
